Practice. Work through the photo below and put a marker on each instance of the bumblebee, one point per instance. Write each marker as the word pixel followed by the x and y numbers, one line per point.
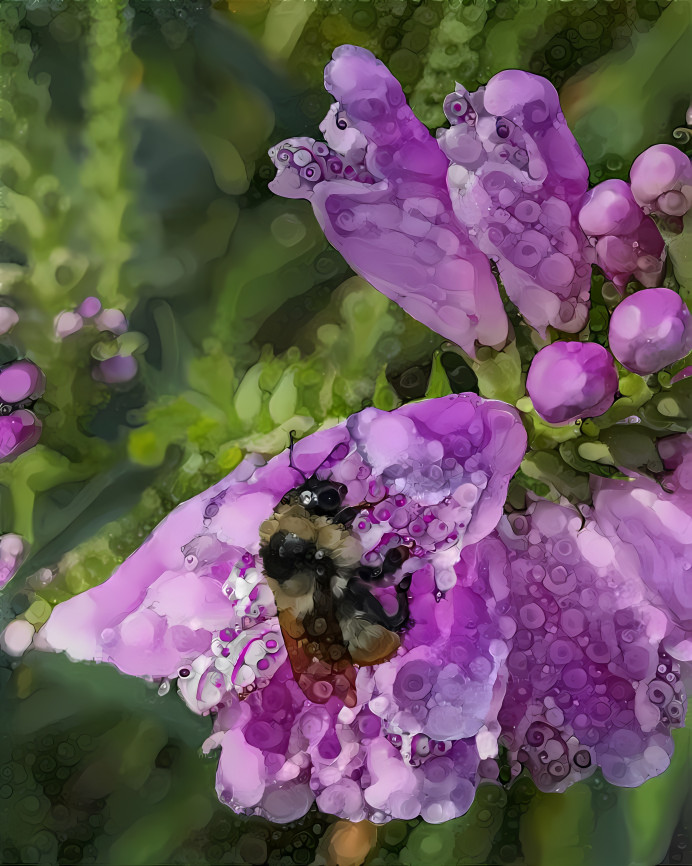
pixel 330 619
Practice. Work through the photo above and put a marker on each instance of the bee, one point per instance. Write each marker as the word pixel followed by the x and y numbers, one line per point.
pixel 330 619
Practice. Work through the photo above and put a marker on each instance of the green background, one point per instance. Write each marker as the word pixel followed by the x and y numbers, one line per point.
pixel 133 166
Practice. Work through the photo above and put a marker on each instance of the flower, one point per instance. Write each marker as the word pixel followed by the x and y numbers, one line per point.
pixel 554 633
pixel 516 180
pixel 650 329
pixel 661 180
pixel 8 319
pixel 567 381
pixel 379 193
pixel 115 363
pixel 295 717
pixel 366 619
pixel 21 384
pixel 655 523
pixel 597 610
pixel 416 217
pixel 13 551
pixel 627 242
pixel 119 368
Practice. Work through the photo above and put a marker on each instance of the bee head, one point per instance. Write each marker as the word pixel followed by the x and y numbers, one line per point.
pixel 320 498
pixel 290 547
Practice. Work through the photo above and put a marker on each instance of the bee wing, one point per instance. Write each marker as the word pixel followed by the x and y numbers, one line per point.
pixel 319 675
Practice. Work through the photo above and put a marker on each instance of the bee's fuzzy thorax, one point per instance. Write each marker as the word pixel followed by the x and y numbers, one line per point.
pixel 327 611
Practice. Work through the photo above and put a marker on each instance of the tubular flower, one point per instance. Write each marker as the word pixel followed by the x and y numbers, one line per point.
pixel 516 178
pixel 420 218
pixel 378 190
pixel 597 612
pixel 313 611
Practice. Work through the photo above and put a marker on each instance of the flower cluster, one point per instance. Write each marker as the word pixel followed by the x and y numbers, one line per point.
pixel 21 384
pixel 367 619
pixel 115 362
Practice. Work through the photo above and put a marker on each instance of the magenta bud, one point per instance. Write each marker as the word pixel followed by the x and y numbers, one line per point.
pixel 571 380
pixel 650 329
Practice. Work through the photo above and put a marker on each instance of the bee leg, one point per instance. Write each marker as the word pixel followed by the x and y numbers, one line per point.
pixel 365 605
pixel 399 619
pixel 369 643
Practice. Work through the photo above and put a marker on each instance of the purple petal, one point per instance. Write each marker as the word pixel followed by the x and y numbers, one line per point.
pixel 111 320
pixel 628 243
pixel 516 179
pixel 8 319
pixel 371 100
pixel 655 530
pixel 591 674
pixel 13 551
pixel 67 323
pixel 89 307
pixel 19 431
pixel 20 381
pixel 119 368
pixel 661 179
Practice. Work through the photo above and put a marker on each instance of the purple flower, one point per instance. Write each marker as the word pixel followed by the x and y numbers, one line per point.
pixel 354 535
pixel 513 176
pixel 111 320
pixel 13 551
pixel 89 308
pixel 21 384
pixel 516 179
pixel 67 323
pixel 119 368
pixel 627 242
pixel 597 612
pixel 656 525
pixel 661 179
pixel 379 193
pixel 571 380
pixel 370 105
pixel 649 330
pixel 8 319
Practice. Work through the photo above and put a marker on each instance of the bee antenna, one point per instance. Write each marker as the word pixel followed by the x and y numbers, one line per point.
pixel 291 443
pixel 359 505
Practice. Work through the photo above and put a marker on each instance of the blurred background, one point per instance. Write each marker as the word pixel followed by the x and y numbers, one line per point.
pixel 133 168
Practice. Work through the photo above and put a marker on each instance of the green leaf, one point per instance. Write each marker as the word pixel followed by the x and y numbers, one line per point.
pixel 499 373
pixel 561 479
pixel 651 811
pixel 438 383
pixel 557 828
pixel 573 452
pixel 670 411
pixel 540 488
pixel 385 397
